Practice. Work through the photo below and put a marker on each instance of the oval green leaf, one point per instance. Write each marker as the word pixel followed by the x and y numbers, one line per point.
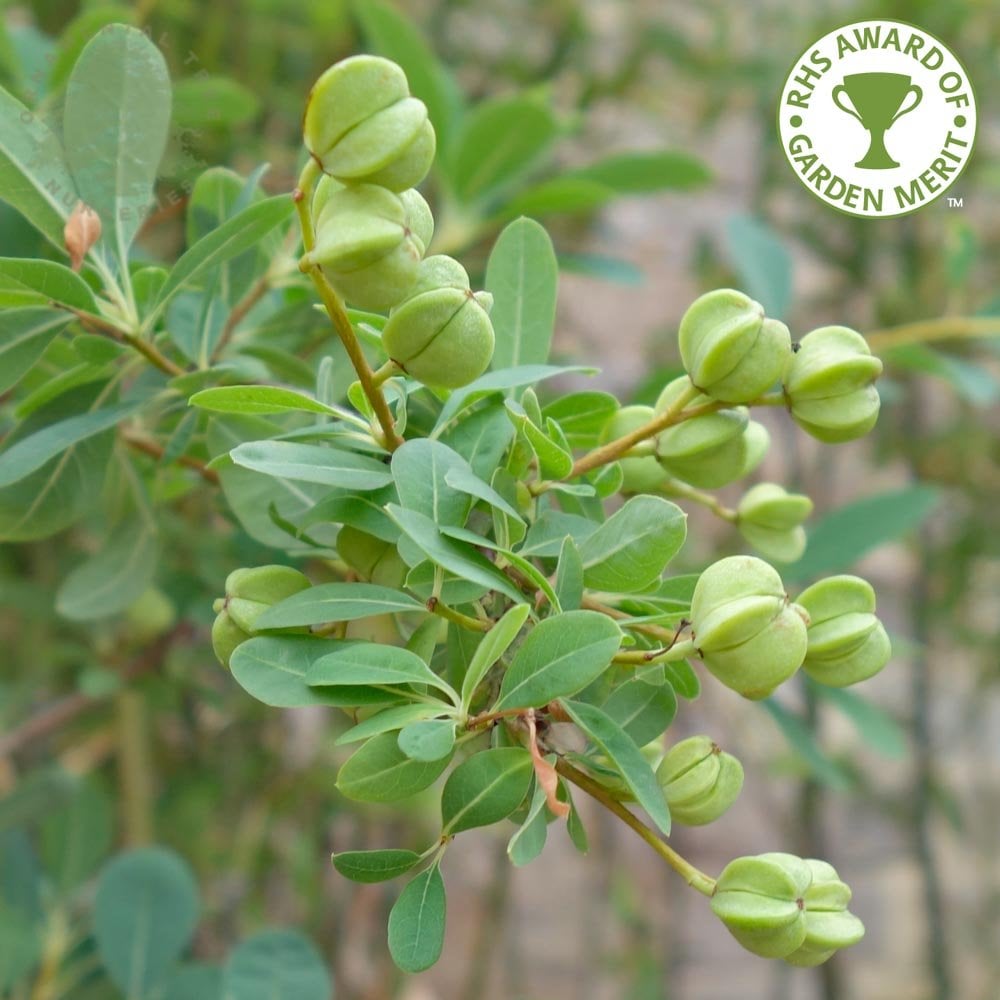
pixel 485 788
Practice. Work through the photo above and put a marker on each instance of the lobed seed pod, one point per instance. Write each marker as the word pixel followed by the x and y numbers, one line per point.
pixel 249 593
pixel 730 351
pixel 770 519
pixel 369 243
pixel 829 924
pixel 746 632
pixel 699 780
pixel 640 474
pixel 362 126
pixel 375 560
pixel 441 333
pixel 830 385
pixel 710 450
pixel 846 641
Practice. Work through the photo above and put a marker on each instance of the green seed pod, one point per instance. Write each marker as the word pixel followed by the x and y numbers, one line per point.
pixel 375 560
pixel 830 385
pixel 770 519
pixel 249 593
pixel 441 334
pixel 761 900
pixel 369 243
pixel 847 643
pixel 730 351
pixel 640 474
pixel 829 925
pixel 700 781
pixel 362 125
pixel 707 451
pixel 747 634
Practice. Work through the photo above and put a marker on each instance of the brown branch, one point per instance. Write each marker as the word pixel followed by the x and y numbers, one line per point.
pixel 54 717
pixel 155 450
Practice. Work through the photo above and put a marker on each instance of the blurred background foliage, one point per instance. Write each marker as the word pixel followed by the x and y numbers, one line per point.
pixel 123 732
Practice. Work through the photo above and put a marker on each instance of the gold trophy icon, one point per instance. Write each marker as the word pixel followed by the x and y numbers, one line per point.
pixel 878 101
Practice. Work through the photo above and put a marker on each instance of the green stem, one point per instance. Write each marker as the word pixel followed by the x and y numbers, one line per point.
pixel 694 877
pixel 389 370
pixel 943 328
pixel 473 624
pixel 676 651
pixel 681 490
pixel 336 311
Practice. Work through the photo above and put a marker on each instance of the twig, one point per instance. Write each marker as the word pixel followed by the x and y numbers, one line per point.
pixel 155 450
pixel 694 877
pixel 943 328
pixel 52 718
pixel 450 614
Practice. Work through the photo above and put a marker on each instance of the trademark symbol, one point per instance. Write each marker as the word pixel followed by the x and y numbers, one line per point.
pixel 954 202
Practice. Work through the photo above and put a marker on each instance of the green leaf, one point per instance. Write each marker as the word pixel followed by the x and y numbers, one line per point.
pixel 258 399
pixel 498 142
pixel 497 382
pixel 115 124
pixel 22 947
pixel 559 657
pixel 67 486
pixel 145 914
pixel 529 838
pixel 392 35
pixel 763 263
pixel 522 274
pixel 457 557
pixel 235 235
pixel 429 739
pixel 213 102
pixel 195 981
pixel 273 670
pixel 276 964
pixel 375 866
pixel 337 602
pixel 372 664
pixel 25 282
pixel 803 742
pixel 682 678
pixel 569 575
pixel 108 582
pixel 419 469
pixel 631 549
pixel 644 173
pixel 493 645
pixel 545 537
pixel 312 463
pixel 564 195
pixel 378 771
pixel 34 177
pixel 32 452
pixel 77 834
pixel 416 922
pixel 875 726
pixel 461 477
pixel 390 720
pixel 582 415
pixel 24 335
pixel 642 710
pixel 485 788
pixel 626 756
pixel 844 535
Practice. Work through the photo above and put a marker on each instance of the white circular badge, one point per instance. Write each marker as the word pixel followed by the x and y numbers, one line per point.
pixel 878 118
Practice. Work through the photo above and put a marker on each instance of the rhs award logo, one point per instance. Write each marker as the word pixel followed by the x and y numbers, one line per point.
pixel 878 118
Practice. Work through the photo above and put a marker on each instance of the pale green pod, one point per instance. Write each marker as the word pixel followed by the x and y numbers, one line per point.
pixel 730 351
pixel 770 519
pixel 742 588
pixel 700 781
pixel 829 384
pixel 375 560
pixel 441 335
pixel 641 474
pixel 756 667
pixel 761 901
pixel 249 593
pixel 362 126
pixel 847 642
pixel 369 242
pixel 829 926
pixel 756 441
